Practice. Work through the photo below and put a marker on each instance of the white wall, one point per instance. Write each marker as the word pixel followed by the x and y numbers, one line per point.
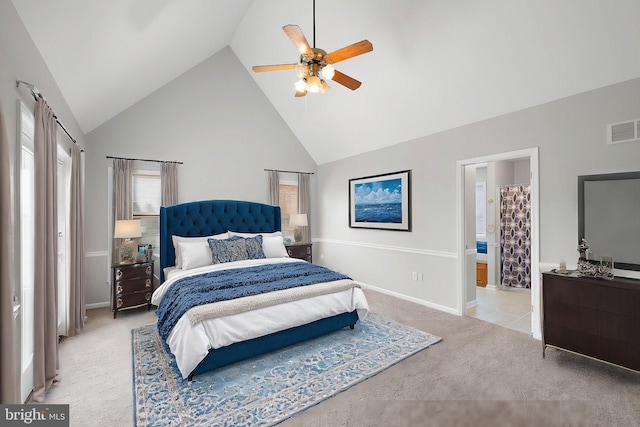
pixel 213 118
pixel 571 135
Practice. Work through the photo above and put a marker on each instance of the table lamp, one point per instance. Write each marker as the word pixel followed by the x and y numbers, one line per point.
pixel 298 221
pixel 127 229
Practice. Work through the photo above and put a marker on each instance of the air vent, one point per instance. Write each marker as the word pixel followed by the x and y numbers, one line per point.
pixel 623 132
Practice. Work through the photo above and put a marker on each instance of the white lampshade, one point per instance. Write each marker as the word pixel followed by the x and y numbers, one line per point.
pixel 298 220
pixel 328 72
pixel 128 229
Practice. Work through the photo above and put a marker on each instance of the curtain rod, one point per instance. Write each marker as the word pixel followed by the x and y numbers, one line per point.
pixel 145 160
pixel 38 95
pixel 277 170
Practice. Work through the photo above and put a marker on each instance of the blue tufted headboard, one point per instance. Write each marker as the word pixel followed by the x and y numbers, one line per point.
pixel 208 217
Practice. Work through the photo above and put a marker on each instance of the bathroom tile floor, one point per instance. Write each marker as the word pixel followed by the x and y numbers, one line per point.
pixel 511 308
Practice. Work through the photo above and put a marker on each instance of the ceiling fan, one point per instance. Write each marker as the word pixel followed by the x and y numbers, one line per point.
pixel 315 66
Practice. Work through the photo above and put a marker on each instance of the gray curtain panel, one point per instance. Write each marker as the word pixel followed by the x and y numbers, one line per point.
pixel 122 196
pixel 274 188
pixel 45 334
pixel 10 377
pixel 169 183
pixel 515 235
pixel 77 309
pixel 304 203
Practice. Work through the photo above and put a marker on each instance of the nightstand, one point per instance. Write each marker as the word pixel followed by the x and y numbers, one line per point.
pixel 300 251
pixel 131 285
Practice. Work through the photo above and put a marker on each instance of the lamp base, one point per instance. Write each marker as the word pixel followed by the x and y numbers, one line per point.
pixel 297 234
pixel 126 252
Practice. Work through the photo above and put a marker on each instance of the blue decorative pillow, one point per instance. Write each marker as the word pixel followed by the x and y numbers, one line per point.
pixel 227 250
pixel 254 246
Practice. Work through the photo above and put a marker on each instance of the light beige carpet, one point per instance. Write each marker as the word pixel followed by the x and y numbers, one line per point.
pixel 479 375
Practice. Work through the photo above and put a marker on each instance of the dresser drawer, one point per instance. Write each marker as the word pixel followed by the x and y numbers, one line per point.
pixel 300 251
pixel 129 272
pixel 131 300
pixel 133 285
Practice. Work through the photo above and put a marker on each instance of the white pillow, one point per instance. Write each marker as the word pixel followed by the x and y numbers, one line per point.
pixel 180 239
pixel 235 233
pixel 194 254
pixel 273 247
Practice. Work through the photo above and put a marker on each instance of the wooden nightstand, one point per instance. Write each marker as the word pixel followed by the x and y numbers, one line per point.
pixel 131 285
pixel 300 251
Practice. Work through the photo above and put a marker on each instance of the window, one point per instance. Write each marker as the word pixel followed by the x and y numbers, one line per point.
pixel 147 199
pixel 481 210
pixel 289 204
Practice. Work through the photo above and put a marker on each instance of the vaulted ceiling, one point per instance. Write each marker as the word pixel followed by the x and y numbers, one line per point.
pixel 436 64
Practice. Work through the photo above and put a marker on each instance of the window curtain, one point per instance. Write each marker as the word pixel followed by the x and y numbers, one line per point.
pixel 77 309
pixel 122 196
pixel 169 183
pixel 515 235
pixel 10 377
pixel 304 204
pixel 45 349
pixel 274 188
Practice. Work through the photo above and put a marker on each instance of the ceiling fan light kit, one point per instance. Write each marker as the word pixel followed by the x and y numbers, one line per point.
pixel 315 66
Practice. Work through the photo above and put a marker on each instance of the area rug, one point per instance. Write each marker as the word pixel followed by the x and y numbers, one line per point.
pixel 267 389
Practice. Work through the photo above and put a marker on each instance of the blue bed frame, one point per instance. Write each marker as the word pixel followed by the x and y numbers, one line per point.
pixel 209 217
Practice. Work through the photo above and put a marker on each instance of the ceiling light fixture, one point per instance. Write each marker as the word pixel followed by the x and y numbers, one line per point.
pixel 312 69
pixel 315 65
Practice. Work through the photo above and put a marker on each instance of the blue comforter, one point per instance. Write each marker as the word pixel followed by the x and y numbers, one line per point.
pixel 223 285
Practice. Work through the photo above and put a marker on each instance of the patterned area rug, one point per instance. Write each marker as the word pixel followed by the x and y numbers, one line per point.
pixel 267 389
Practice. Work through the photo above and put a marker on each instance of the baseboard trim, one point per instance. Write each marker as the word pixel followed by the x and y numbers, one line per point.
pixel 389 248
pixel 411 299
pixel 471 304
pixel 97 305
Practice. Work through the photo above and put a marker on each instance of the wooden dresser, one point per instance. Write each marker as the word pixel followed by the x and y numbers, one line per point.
pixel 597 318
pixel 481 274
pixel 131 286
pixel 301 251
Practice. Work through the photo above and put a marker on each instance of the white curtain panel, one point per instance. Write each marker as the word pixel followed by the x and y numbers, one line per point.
pixel 77 308
pixel 169 183
pixel 304 204
pixel 45 354
pixel 274 188
pixel 10 377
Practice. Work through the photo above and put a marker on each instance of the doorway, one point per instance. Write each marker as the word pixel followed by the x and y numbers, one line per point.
pixel 467 239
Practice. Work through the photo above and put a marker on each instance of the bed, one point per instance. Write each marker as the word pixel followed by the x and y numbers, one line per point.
pixel 212 331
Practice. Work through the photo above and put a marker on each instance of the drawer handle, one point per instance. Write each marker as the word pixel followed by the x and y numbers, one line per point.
pixel 290 252
pixel 148 283
pixel 147 296
pixel 148 270
pixel 119 302
pixel 118 289
pixel 118 274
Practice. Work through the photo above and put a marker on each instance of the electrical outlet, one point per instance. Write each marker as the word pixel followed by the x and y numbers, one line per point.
pixel 414 275
pixel 420 276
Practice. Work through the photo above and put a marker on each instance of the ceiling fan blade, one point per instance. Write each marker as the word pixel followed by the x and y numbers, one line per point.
pixel 355 49
pixel 295 34
pixel 279 67
pixel 346 81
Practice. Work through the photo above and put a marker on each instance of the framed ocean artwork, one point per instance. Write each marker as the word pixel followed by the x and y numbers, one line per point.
pixel 381 201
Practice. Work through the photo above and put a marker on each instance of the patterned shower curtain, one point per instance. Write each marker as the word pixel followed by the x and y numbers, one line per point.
pixel 515 235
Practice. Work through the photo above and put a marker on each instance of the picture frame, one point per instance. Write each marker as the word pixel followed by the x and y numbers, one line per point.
pixel 381 201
